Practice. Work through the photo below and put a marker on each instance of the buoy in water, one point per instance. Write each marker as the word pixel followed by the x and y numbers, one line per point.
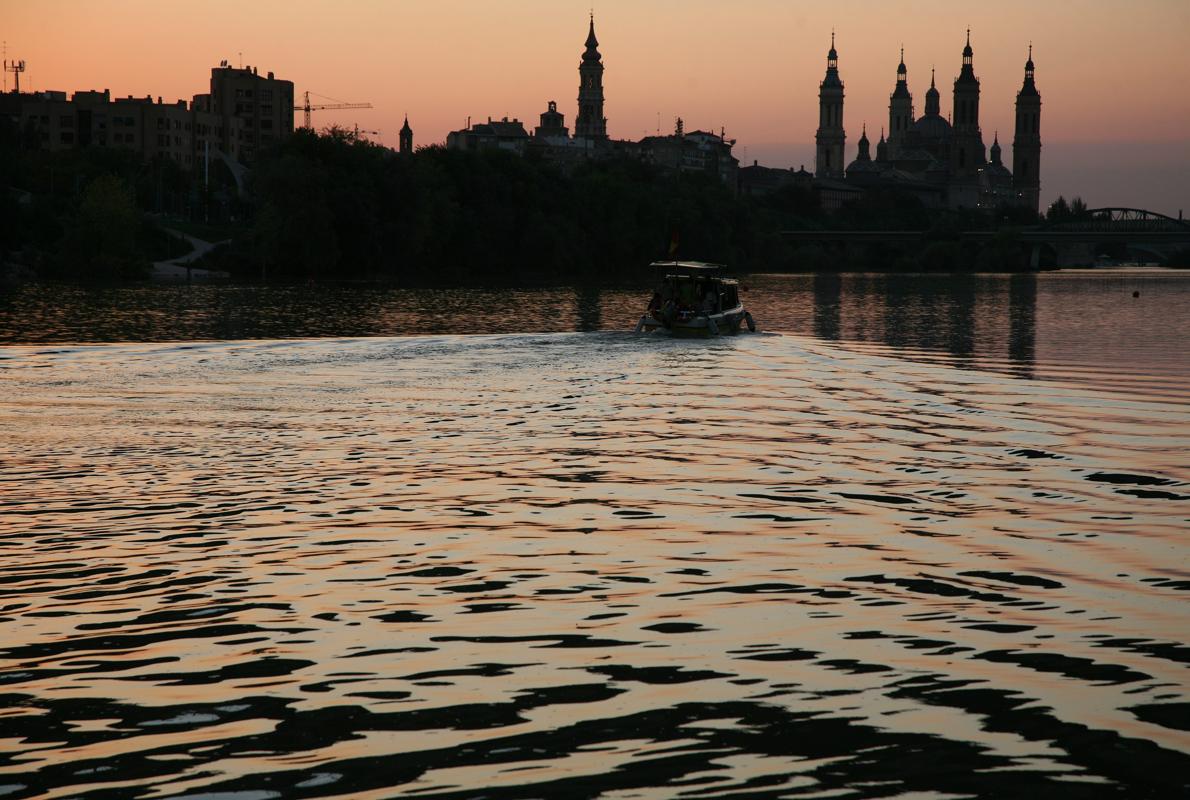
pixel 1136 294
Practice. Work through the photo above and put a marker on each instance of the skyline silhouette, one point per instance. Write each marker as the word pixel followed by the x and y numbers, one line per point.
pixel 1114 134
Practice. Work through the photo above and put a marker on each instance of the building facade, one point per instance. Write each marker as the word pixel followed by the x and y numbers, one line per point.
pixel 501 134
pixel 263 106
pixel 242 113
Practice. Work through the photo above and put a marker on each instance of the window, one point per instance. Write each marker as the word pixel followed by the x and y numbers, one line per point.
pixel 266 109
pixel 160 123
pixel 266 94
pixel 66 121
pixel 67 137
pixel 266 124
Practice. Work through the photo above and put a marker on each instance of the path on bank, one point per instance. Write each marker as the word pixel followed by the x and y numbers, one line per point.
pixel 180 269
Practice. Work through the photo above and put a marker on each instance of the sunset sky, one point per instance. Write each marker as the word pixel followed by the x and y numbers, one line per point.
pixel 1115 121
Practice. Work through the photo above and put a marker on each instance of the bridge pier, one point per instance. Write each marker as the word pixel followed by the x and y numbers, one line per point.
pixel 1075 254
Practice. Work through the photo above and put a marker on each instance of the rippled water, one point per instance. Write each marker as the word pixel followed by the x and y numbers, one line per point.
pixel 1076 325
pixel 587 564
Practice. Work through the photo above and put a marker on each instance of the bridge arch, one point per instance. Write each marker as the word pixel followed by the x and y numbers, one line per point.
pixel 1119 220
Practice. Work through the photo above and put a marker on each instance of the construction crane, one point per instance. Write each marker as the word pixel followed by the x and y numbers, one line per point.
pixel 307 108
pixel 370 133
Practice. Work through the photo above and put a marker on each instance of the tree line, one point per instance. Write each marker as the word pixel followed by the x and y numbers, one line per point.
pixel 333 206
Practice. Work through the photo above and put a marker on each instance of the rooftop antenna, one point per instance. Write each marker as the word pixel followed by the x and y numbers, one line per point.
pixel 241 59
pixel 6 58
pixel 16 68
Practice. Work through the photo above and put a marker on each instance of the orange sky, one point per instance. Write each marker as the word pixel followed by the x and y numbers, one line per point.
pixel 1109 71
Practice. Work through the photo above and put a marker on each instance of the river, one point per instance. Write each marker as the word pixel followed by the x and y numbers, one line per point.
pixel 923 536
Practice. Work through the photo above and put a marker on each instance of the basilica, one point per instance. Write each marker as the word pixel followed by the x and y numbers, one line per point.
pixel 942 161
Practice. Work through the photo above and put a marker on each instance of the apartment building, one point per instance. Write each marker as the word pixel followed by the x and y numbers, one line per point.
pixel 242 113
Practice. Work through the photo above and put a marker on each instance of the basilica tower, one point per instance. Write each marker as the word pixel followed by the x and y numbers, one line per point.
pixel 590 123
pixel 900 109
pixel 1026 146
pixel 831 138
pixel 968 153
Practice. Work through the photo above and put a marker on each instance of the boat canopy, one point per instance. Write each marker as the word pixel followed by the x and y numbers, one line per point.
pixel 688 267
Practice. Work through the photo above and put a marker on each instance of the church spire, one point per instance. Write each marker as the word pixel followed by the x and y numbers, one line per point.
pixel 1026 144
pixel 900 108
pixel 831 137
pixel 592 42
pixel 406 137
pixel 590 122
pixel 967 153
pixel 933 98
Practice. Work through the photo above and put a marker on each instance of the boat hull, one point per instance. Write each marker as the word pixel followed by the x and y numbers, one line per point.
pixel 699 325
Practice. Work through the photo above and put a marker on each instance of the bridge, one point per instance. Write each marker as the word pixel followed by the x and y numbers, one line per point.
pixel 1073 241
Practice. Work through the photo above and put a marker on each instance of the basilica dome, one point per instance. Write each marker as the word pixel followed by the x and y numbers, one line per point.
pixel 932 126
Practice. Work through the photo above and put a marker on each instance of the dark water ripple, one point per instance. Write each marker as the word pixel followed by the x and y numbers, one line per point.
pixel 583 565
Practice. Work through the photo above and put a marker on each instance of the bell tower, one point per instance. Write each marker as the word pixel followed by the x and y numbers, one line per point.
pixel 968 153
pixel 831 137
pixel 1026 145
pixel 590 122
pixel 900 109
pixel 406 137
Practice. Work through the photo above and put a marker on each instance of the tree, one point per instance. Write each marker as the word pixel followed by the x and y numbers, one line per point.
pixel 100 242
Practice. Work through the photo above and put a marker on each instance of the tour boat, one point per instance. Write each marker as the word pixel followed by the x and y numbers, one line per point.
pixel 694 300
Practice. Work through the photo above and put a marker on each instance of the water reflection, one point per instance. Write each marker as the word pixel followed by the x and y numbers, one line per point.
pixel 588 301
pixel 828 299
pixel 1022 319
pixel 1061 325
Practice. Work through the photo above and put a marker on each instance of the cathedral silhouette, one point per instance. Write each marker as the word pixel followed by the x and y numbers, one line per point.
pixel 943 162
